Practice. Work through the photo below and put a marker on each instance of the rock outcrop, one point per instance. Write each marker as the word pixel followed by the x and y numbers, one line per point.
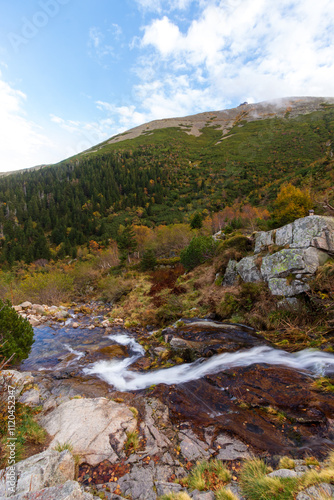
pixel 302 247
pixel 47 469
pixel 96 428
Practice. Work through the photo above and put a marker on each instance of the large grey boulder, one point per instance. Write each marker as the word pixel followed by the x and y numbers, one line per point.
pixel 96 428
pixel 286 288
pixel 313 231
pixel 295 261
pixel 46 469
pixel 248 269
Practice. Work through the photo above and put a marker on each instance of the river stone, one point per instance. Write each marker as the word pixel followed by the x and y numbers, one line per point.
pixel 26 305
pixel 248 269
pixel 231 274
pixel 48 468
pixel 96 428
pixel 71 490
pixel 38 309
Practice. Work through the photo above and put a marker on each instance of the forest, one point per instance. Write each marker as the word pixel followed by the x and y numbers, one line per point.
pixel 162 178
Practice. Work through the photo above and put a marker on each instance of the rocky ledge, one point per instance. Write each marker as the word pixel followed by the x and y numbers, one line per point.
pixel 288 257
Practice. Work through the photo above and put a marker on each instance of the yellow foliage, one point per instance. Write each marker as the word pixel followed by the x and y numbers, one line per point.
pixel 291 203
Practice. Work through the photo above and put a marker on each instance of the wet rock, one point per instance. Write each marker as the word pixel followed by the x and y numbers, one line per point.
pixel 71 490
pixel 271 408
pixel 75 325
pixel 95 427
pixel 46 469
pixel 206 338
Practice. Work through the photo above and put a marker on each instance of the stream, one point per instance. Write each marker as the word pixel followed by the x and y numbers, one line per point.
pixel 263 395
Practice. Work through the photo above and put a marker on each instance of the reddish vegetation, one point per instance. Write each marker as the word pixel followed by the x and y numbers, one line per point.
pixel 166 279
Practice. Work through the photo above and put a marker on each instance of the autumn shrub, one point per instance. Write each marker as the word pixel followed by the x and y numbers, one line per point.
pixel 239 242
pixel 16 333
pixel 85 277
pixel 113 288
pixel 291 204
pixel 171 308
pixel 49 288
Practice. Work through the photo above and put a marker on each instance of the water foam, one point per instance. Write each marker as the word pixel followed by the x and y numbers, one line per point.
pixel 117 373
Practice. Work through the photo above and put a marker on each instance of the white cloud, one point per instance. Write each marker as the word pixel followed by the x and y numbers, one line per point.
pixel 23 143
pixel 168 5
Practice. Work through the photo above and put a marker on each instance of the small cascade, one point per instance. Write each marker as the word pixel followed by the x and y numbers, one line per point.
pixel 117 373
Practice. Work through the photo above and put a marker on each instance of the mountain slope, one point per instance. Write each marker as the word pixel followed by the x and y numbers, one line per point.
pixel 163 171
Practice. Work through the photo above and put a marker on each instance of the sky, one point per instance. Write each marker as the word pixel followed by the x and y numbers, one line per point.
pixel 75 72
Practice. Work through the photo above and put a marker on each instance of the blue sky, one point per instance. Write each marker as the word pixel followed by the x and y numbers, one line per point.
pixel 75 72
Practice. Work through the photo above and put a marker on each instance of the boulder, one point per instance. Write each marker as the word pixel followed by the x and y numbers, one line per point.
pixel 38 309
pixel 26 305
pixel 96 428
pixel 49 468
pixel 282 286
pixel 248 269
pixel 292 261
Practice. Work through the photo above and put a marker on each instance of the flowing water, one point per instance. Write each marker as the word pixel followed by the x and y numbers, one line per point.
pixel 61 348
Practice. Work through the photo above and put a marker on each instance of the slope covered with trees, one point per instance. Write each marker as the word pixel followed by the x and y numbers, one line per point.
pixel 162 177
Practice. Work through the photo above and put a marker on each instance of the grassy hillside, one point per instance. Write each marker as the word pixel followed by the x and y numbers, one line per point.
pixel 163 176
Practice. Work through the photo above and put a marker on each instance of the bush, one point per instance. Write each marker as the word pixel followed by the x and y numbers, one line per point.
pixel 17 334
pixel 48 288
pixel 200 249
pixel 239 242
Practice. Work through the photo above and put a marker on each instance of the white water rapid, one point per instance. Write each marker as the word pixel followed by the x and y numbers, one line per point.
pixel 117 373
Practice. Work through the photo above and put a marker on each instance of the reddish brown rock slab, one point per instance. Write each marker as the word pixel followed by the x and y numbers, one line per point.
pixel 273 409
pixel 207 338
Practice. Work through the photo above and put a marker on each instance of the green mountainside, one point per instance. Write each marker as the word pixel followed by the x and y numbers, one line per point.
pixel 167 170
